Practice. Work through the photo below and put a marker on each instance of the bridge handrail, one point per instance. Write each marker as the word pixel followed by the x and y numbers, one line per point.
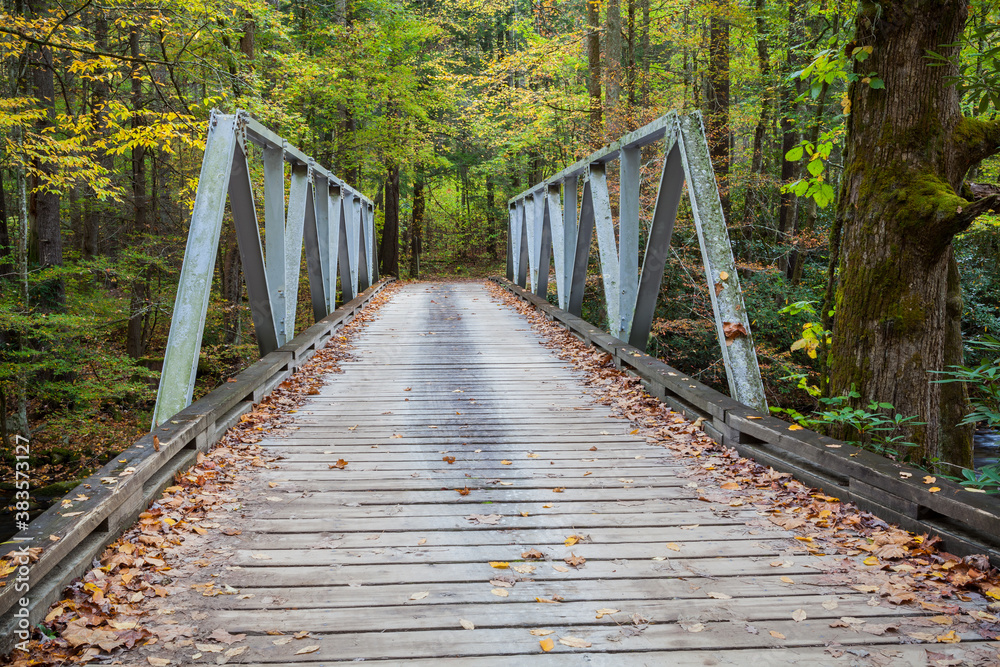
pixel 967 522
pixel 332 220
pixel 142 471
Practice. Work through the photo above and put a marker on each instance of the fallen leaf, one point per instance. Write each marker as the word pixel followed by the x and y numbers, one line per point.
pixel 505 462
pixel 499 564
pixel 776 634
pixel 282 641
pixel 420 596
pixel 500 592
pixel 540 632
pixel 732 331
pixel 730 486
pixel 233 652
pixel 929 479
pixel 673 547
pixel 601 613
pixel 463 492
pixel 574 560
pixel 950 638
pixel 693 627
pixel 523 569
pixel 532 553
pixel 799 615
pixel 468 625
pixel 158 662
pixel 308 649
pixel 546 600
pixel 341 464
pixel 720 596
pixel 830 605
pixel 934 489
pixel 574 642
pixel 571 540
pixel 255 557
pixel 788 580
pixel 795 427
pixel 448 459
pixel 546 644
pixel 558 489
pixel 560 568
pixel 220 635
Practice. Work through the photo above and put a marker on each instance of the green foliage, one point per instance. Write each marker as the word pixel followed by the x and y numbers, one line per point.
pixel 983 382
pixel 876 427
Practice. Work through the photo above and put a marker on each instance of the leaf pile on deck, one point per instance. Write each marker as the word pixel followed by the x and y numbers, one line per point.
pixel 899 567
pixel 103 611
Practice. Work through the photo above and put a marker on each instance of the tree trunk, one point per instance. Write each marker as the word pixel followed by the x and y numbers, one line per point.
pixel 645 55
pixel 389 252
pixel 594 70
pixel 717 101
pixel 755 199
pixel 5 246
pixel 613 52
pixel 907 151
pixel 138 152
pixel 417 228
pixel 47 227
pixel 788 207
pixel 232 287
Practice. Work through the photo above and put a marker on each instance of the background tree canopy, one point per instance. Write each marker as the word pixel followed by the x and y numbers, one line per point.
pixel 443 110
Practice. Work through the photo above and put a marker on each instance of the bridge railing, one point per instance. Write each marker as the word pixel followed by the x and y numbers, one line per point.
pixel 333 220
pixel 335 224
pixel 545 227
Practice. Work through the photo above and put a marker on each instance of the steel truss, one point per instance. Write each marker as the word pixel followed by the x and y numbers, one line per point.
pixel 331 219
pixel 544 225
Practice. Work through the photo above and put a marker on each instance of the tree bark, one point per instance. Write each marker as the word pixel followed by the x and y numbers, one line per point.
pixel 613 53
pixel 908 149
pixel 389 252
pixel 788 208
pixel 756 197
pixel 594 69
pixel 717 100
pixel 417 228
pixel 47 224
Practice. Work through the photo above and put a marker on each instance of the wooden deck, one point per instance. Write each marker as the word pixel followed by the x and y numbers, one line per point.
pixel 384 560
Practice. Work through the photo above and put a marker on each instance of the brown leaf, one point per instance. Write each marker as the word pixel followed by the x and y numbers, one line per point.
pixel 341 464
pixel 156 443
pixel 463 492
pixel 733 330
pixel 532 554
pixel 448 459
pixel 307 649
pixel 220 635
pixel 574 642
pixel 574 560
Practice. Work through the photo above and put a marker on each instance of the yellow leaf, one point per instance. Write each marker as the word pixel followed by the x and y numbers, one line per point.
pixel 788 580
pixel 505 462
pixel 546 644
pixel 871 560
pixel 571 540
pixel 776 635
pixel 929 479
pixel 601 613
pixel 950 638
pixel 499 564
pixel 934 489
pixel 541 632
pixel 795 427
pixel 673 547
pixel 730 486
pixel 723 275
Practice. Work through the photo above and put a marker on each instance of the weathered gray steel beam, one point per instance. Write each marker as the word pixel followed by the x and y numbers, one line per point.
pixel 557 240
pixel 248 238
pixel 180 362
pixel 606 245
pixel 628 238
pixel 344 259
pixel 658 244
pixel 298 192
pixel 314 261
pixel 738 351
pixel 274 234
pixel 512 212
pixel 585 234
pixel 522 253
pixel 544 248
pixel 569 237
pixel 364 249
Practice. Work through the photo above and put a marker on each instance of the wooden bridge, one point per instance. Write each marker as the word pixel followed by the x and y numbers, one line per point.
pixel 458 493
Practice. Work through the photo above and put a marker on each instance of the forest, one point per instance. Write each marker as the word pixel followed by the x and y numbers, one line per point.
pixel 853 144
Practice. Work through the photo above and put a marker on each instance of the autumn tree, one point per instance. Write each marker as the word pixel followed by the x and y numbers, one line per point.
pixel 902 201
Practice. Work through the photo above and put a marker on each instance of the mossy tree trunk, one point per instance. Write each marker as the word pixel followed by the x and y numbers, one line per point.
pixel 908 149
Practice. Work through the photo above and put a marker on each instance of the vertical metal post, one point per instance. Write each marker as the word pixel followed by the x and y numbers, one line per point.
pixel 347 290
pixel 628 238
pixel 333 248
pixel 314 266
pixel 582 255
pixel 248 238
pixel 558 240
pixel 522 272
pixel 529 217
pixel 512 212
pixel 363 247
pixel 298 192
pixel 180 362
pixel 738 352
pixel 274 234
pixel 374 242
pixel 321 193
pixel 354 230
pixel 606 245
pixel 569 236
pixel 658 245
pixel 544 248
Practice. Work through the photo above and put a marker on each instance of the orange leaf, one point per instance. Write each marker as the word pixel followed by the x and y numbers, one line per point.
pixel 730 486
pixel 547 644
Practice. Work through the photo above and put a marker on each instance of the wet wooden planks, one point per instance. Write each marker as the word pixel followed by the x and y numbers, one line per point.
pixel 380 561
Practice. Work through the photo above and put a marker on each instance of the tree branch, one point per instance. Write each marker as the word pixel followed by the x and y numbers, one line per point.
pixel 79 49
